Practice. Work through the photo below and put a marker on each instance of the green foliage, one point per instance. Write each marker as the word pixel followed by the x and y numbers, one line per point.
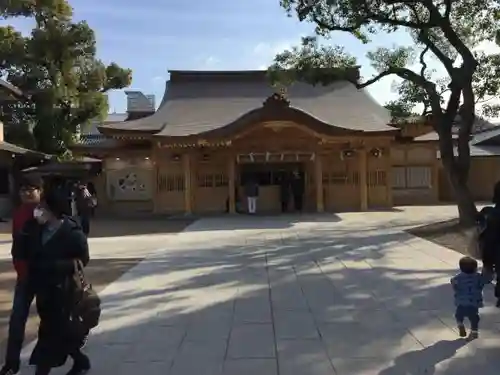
pixel 443 32
pixel 399 110
pixel 56 66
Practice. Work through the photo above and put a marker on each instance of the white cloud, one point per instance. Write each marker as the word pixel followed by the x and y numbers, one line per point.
pixel 263 53
pixel 269 50
pixel 211 62
pixel 157 80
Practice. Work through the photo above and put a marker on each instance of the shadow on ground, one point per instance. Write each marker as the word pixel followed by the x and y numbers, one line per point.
pixel 100 271
pixel 303 304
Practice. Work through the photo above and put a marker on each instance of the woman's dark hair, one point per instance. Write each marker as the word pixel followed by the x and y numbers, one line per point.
pixel 55 202
pixel 467 265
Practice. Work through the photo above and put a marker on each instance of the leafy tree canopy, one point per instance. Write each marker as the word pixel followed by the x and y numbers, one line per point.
pixel 56 66
pixel 443 70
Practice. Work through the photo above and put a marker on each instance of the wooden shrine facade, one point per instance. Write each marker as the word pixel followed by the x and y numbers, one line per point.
pixel 196 164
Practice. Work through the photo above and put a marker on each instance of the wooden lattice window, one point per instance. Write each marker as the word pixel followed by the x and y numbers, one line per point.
pixel 353 178
pixel 339 178
pixel 220 179
pixel 171 182
pixel 161 182
pixel 377 178
pixel 412 177
pixel 205 180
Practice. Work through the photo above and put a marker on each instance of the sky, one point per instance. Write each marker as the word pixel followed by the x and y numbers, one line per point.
pixel 154 36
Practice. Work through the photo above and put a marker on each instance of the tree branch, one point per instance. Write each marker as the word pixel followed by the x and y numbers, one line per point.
pixel 447 10
pixel 445 60
pixel 422 61
pixel 404 73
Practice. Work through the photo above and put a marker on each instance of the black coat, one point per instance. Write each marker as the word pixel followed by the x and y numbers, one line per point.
pixel 489 238
pixel 51 267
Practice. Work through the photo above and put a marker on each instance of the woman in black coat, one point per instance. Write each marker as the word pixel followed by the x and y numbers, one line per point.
pixel 51 243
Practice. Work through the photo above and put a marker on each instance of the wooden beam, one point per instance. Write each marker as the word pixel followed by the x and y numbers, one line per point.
pixel 186 165
pixel 318 176
pixel 232 184
pixel 363 178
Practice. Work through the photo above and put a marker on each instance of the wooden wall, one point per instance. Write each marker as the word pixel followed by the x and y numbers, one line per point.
pixel 341 182
pixel 125 185
pixel 484 174
pixel 414 174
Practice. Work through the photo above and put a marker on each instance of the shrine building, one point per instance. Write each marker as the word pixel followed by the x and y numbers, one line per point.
pixel 215 129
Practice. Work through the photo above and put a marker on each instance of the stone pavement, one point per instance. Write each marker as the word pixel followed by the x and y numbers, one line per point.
pixel 345 295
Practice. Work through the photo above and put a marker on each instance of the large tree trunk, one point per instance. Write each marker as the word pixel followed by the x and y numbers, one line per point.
pixel 457 170
pixel 467 210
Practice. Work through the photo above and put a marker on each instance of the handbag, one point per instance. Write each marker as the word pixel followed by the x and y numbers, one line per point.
pixel 86 309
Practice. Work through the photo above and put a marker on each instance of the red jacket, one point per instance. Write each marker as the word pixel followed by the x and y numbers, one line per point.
pixel 21 215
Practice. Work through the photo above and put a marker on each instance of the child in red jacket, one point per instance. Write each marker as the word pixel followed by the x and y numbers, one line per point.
pixel 30 192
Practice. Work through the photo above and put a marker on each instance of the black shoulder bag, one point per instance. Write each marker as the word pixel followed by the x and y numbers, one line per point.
pixel 86 310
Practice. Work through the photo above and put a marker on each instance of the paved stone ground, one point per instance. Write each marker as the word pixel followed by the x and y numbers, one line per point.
pixel 347 295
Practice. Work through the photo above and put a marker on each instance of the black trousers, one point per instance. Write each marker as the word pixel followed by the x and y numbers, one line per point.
pixel 85 223
pixel 298 200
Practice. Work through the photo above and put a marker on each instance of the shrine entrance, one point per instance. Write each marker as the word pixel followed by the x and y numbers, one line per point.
pixel 281 178
pixel 276 184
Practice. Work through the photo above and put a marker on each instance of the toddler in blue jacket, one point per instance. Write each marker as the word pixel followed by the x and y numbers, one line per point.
pixel 468 287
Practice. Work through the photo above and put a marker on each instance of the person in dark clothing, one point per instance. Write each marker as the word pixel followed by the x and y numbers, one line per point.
pixel 50 244
pixel 298 187
pixel 284 190
pixel 489 238
pixel 30 191
pixel 84 204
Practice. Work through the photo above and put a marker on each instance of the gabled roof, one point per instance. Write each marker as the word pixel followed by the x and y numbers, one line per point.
pixel 201 102
pixel 431 137
pixel 489 137
pixel 13 149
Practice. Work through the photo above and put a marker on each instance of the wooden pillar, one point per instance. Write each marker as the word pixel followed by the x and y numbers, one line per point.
pixel 188 188
pixel 154 176
pixel 435 180
pixel 388 176
pixel 232 184
pixel 363 179
pixel 318 177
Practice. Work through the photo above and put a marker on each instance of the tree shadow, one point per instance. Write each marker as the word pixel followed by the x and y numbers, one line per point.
pixel 312 301
pixel 424 361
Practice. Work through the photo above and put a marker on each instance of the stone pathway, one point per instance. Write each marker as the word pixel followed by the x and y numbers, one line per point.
pixel 348 295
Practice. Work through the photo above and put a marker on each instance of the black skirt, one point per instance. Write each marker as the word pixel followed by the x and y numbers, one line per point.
pixel 58 336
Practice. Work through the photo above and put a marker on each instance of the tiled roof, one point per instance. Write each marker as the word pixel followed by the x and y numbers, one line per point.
pixel 9 147
pixel 432 136
pixel 195 106
pixel 489 137
pixel 94 140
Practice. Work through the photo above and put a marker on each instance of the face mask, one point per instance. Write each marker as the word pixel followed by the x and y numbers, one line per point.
pixel 39 215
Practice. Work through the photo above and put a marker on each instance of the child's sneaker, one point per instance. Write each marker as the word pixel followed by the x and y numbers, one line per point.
pixel 461 330
pixel 473 335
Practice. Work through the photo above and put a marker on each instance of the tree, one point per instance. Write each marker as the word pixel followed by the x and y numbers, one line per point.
pixel 56 66
pixel 445 35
